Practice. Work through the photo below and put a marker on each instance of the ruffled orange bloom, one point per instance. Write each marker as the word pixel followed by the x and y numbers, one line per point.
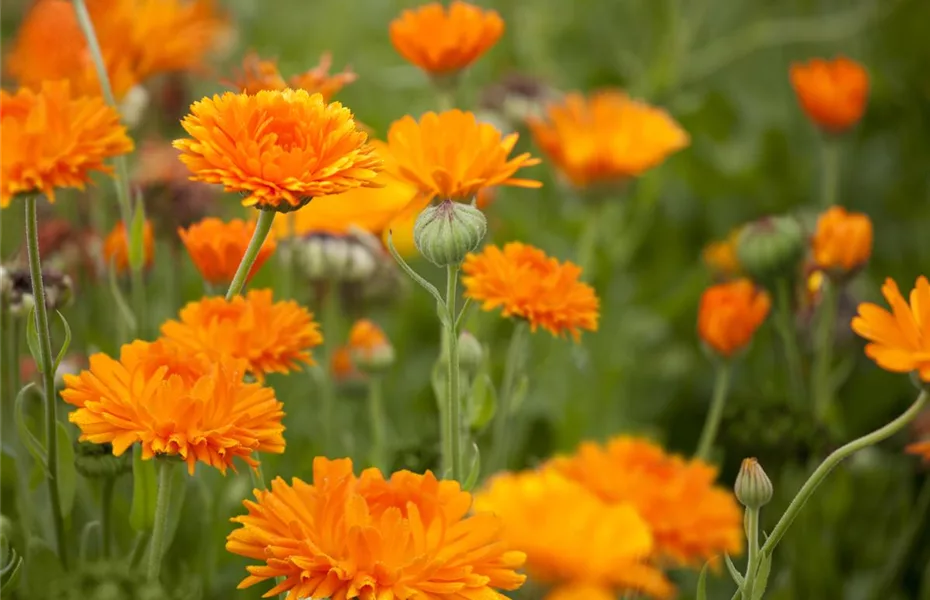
pixel 607 137
pixel 524 282
pixel 116 247
pixel 217 247
pixel 279 149
pixel 348 537
pixel 730 313
pixel 258 74
pixel 843 240
pixel 601 544
pixel 175 404
pixel 51 140
pixel 900 339
pixel 721 257
pixel 272 337
pixel 921 449
pixel 442 42
pixel 692 520
pixel 832 93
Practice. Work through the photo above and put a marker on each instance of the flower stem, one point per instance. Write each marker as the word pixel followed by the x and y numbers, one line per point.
pixel 106 509
pixel 329 322
pixel 160 528
pixel 830 176
pixel 9 376
pixel 377 423
pixel 258 477
pixel 712 422
pixel 262 227
pixel 752 563
pixel 786 329
pixel 47 366
pixel 822 384
pixel 452 416
pixel 516 359
pixel 138 549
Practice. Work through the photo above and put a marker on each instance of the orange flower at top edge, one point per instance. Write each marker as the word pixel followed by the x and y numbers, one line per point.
pixel 607 137
pixel 730 313
pixel 258 74
pixel 843 240
pixel 277 148
pixel 417 541
pixel 52 139
pixel 442 41
pixel 526 283
pixel 832 93
pixel 116 247
pixel 217 248
pixel 900 339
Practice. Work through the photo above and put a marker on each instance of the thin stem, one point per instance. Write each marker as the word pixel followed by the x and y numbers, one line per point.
pixel 589 240
pixel 262 227
pixel 377 422
pixel 712 422
pixel 106 510
pixel 9 362
pixel 160 528
pixel 822 381
pixel 830 176
pixel 48 375
pixel 138 549
pixel 516 359
pixel 752 563
pixel 784 323
pixel 329 320
pixel 258 477
pixel 290 258
pixel 452 427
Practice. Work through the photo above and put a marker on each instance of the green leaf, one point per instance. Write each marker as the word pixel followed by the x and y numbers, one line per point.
pixel 136 235
pixel 32 443
pixel 10 566
pixel 90 542
pixel 121 304
pixel 67 473
pixel 474 470
pixel 484 402
pixel 519 393
pixel 65 344
pixel 179 481
pixel 762 576
pixel 32 339
pixel 144 492
pixel 734 572
pixel 702 583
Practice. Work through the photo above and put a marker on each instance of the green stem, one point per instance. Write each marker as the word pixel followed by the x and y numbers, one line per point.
pixel 47 367
pixel 378 423
pixel 9 363
pixel 138 549
pixel 784 323
pixel 752 563
pixel 830 176
pixel 160 528
pixel 516 360
pixel 589 240
pixel 712 422
pixel 329 320
pixel 106 510
pixel 262 227
pixel 452 457
pixel 290 260
pixel 822 382
pixel 258 477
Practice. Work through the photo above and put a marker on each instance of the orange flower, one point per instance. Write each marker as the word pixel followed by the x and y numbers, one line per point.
pixel 730 313
pixel 832 93
pixel 581 591
pixel 843 240
pixel 921 449
pixel 369 348
pixel 258 74
pixel 345 537
pixel 51 139
pixel 341 365
pixel 279 149
pixel 319 80
pixel 442 42
pixel 116 247
pixel 607 137
pixel 174 404
pixel 272 337
pixel 692 520
pixel 217 247
pixel 526 283
pixel 720 256
pixel 900 339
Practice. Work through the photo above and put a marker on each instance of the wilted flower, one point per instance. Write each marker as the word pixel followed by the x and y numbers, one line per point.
pixel 116 247
pixel 318 79
pixel 842 241
pixel 832 93
pixel 217 248
pixel 729 315
pixel 16 289
pixel 258 74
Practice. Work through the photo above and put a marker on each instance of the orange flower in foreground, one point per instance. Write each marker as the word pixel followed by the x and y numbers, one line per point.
pixel 900 339
pixel 730 313
pixel 832 93
pixel 258 74
pixel 217 247
pixel 921 449
pixel 174 403
pixel 272 337
pixel 51 139
pixel 348 537
pixel 581 591
pixel 526 283
pixel 277 148
pixel 843 240
pixel 692 520
pixel 442 41
pixel 116 247
pixel 607 137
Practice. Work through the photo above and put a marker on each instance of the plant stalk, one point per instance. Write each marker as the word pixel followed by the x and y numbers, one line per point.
pixel 822 383
pixel 160 527
pixel 830 177
pixel 784 323
pixel 262 227
pixel 452 456
pixel 516 357
pixel 752 564
pixel 377 422
pixel 106 516
pixel 712 422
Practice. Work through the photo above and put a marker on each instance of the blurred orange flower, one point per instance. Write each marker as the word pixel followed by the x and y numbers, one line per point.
pixel 607 137
pixel 258 74
pixel 217 247
pixel 900 339
pixel 366 337
pixel 843 240
pixel 279 149
pixel 921 449
pixel 341 365
pixel 832 93
pixel 52 139
pixel 721 257
pixel 581 591
pixel 116 247
pixel 730 313
pixel 526 283
pixel 443 42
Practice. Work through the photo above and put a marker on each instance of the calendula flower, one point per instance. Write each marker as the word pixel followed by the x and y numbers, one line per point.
pixel 602 544
pixel 272 337
pixel 368 347
pixel 319 80
pixel 921 449
pixel 52 139
pixel 348 537
pixel 691 519
pixel 175 404
pixel 607 137
pixel 900 339
pixel 730 313
pixel 832 93
pixel 525 283
pixel 444 41
pixel 258 74
pixel 116 247
pixel 217 248
pixel 277 148
pixel 842 241
pixel 341 365
pixel 720 256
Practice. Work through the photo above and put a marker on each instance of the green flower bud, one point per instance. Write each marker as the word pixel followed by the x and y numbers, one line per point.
pixel 97 460
pixel 471 354
pixel 753 487
pixel 336 258
pixel 771 249
pixel 445 233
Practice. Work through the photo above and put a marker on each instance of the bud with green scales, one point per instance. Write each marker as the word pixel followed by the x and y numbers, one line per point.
pixel 753 487
pixel 471 354
pixel 771 249
pixel 445 233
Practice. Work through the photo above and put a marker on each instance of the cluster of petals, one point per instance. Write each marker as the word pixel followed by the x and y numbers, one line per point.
pixel 842 241
pixel 833 93
pixel 116 246
pixel 216 247
pixel 730 313
pixel 258 74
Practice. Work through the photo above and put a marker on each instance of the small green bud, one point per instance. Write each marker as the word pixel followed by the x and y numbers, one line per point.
pixel 771 249
pixel 97 460
pixel 445 233
pixel 471 354
pixel 753 487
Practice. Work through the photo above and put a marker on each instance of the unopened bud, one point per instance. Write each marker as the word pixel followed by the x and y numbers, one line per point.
pixel 753 487
pixel 369 349
pixel 444 234
pixel 771 249
pixel 471 353
pixel 335 258
pixel 97 460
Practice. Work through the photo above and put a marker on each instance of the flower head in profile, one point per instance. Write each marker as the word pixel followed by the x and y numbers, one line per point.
pixel 833 93
pixel 52 139
pixel 348 537
pixel 842 241
pixel 279 149
pixel 217 248
pixel 899 340
pixel 272 337
pixel 525 283
pixel 258 74
pixel 368 347
pixel 606 138
pixel 116 247
pixel 444 41
pixel 175 403
pixel 730 313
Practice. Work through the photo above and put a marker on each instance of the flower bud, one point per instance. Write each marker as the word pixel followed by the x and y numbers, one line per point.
pixel 336 258
pixel 771 249
pixel 471 353
pixel 753 487
pixel 444 234
pixel 97 460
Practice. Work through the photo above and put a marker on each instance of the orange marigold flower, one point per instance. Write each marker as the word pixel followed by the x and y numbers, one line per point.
pixel 843 240
pixel 175 405
pixel 217 247
pixel 730 313
pixel 721 257
pixel 526 283
pixel 273 337
pixel 607 137
pixel 832 93
pixel 443 42
pixel 278 148
pixel 116 246
pixel 900 339
pixel 348 537
pixel 602 544
pixel 258 74
pixel 52 139
pixel 921 449
pixel 366 337
pixel 692 520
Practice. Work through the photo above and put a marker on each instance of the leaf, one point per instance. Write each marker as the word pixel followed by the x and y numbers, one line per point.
pixel 484 402
pixel 144 492
pixel 32 339
pixel 762 576
pixel 33 445
pixel 734 572
pixel 136 235
pixel 90 540
pixel 178 492
pixel 67 473
pixel 474 471
pixel 121 304
pixel 11 567
pixel 702 583
pixel 40 568
pixel 65 344
pixel 519 393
